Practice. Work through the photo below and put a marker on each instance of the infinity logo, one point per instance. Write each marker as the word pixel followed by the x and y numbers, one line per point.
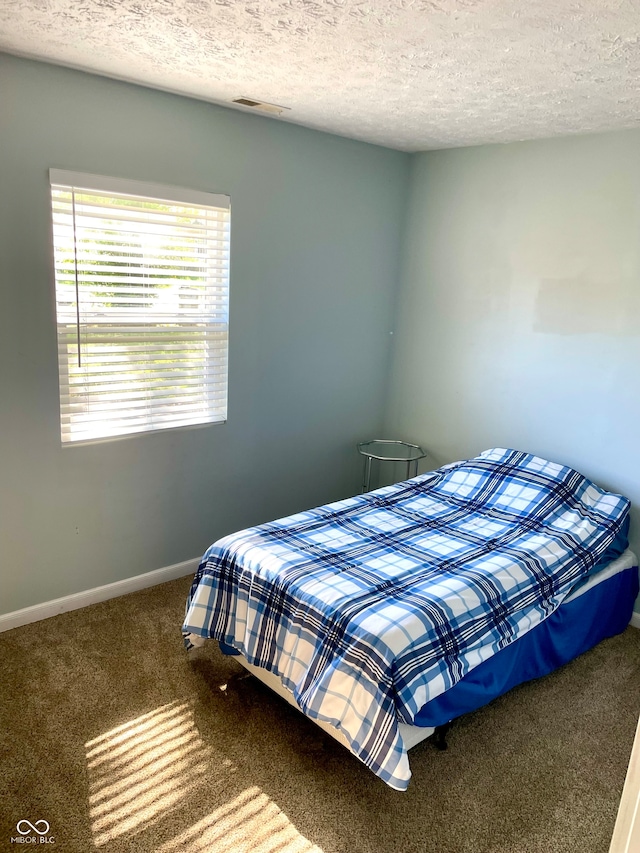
pixel 32 827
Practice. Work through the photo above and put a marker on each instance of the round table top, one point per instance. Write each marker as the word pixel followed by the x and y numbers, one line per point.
pixel 388 450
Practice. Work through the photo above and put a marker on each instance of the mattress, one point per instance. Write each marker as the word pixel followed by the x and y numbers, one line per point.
pixel 598 607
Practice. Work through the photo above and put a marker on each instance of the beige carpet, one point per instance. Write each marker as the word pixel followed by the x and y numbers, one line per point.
pixel 122 742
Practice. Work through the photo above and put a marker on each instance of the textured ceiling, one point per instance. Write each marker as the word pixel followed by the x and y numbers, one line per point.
pixel 408 74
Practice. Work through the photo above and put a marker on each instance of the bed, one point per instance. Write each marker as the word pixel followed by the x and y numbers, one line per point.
pixel 389 614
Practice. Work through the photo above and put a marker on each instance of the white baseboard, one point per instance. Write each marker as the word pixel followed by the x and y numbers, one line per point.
pixel 112 590
pixel 92 596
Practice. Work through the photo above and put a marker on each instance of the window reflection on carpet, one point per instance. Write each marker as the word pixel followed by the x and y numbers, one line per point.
pixel 147 768
pixel 250 823
pixel 141 770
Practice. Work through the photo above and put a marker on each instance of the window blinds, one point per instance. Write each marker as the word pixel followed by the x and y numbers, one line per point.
pixel 142 292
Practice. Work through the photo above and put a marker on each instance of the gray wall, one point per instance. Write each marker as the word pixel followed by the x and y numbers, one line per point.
pixel 518 317
pixel 316 231
pixel 516 320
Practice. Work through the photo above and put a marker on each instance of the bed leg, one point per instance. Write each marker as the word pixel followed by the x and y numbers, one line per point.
pixel 440 736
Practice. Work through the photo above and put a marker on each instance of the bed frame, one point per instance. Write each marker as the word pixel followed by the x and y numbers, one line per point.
pixel 411 735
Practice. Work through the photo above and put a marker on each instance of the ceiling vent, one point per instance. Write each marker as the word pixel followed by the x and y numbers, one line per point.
pixel 274 109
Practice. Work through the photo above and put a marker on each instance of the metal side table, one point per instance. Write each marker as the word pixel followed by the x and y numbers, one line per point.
pixel 389 451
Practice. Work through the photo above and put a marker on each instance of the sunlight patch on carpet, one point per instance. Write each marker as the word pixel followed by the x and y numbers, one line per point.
pixel 143 769
pixel 250 823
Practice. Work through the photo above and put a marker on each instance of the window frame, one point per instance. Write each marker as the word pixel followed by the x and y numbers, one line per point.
pixel 65 180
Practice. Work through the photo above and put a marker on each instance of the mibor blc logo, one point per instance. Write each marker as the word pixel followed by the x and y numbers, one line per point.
pixel 33 833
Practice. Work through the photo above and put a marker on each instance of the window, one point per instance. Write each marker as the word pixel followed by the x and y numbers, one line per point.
pixel 142 293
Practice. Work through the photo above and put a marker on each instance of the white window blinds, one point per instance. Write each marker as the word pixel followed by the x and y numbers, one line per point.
pixel 142 293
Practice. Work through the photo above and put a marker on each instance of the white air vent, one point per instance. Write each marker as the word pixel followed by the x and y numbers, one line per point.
pixel 274 109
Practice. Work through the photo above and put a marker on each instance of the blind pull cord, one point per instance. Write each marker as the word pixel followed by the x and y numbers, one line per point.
pixel 75 267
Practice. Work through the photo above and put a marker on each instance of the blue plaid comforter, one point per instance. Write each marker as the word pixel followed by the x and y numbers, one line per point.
pixel 370 607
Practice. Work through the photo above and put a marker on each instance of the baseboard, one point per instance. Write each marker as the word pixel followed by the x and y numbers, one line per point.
pixel 112 590
pixel 92 596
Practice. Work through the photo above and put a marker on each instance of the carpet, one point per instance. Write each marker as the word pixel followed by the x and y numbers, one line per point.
pixel 121 741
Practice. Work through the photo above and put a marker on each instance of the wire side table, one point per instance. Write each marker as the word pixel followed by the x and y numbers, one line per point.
pixel 389 451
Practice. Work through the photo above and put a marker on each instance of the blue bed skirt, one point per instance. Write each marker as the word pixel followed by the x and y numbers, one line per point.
pixel 578 625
